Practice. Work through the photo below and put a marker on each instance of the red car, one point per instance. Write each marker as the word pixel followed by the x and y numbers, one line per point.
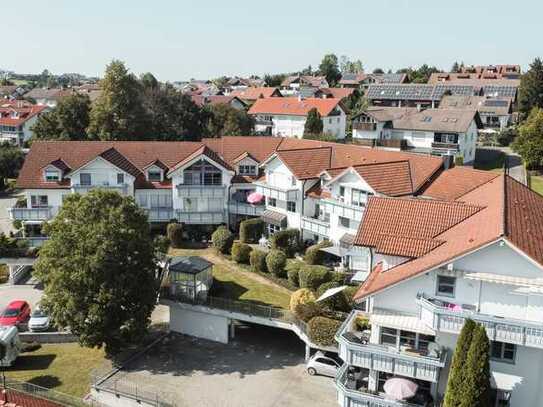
pixel 16 312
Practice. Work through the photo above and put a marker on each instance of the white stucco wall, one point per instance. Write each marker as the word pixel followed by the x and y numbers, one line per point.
pixel 200 324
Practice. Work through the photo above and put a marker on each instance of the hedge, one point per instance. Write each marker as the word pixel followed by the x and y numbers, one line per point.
pixel 241 252
pixel 301 296
pixel 276 261
pixel 174 232
pixel 321 330
pixel 222 240
pixel 313 254
pixel 337 302
pixel 251 230
pixel 287 240
pixel 349 293
pixel 308 311
pixel 313 276
pixel 293 271
pixel 257 259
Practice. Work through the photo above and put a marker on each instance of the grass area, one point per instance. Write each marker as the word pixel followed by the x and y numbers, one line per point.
pixel 536 183
pixel 62 367
pixel 237 283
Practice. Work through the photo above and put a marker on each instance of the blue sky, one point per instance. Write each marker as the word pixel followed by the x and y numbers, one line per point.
pixel 184 39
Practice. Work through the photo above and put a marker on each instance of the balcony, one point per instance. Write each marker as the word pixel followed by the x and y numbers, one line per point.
pixel 83 189
pixel 340 208
pixel 450 318
pixel 349 396
pixel 243 208
pixel 201 191
pixel 30 214
pixel 416 364
pixel 201 218
pixel 317 226
pixel 364 126
pixel 445 147
pixel 160 214
pixel 272 191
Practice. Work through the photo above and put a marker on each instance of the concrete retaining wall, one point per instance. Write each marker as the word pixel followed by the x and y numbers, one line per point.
pixel 48 337
pixel 200 324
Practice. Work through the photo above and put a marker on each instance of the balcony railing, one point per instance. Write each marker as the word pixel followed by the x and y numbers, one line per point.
pixel 242 208
pixel 348 397
pixel 201 191
pixel 364 126
pixel 201 218
pixel 160 214
pixel 272 191
pixel 387 359
pixel 26 214
pixel 445 146
pixel 320 227
pixel 340 208
pixel 509 330
pixel 83 189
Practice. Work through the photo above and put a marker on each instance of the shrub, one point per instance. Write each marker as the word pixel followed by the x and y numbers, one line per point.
pixel 241 252
pixel 349 293
pixel 293 270
pixel 333 303
pixel 162 244
pixel 339 277
pixel 313 276
pixel 287 240
pixel 4 274
pixel 257 259
pixel 313 254
pixel 301 296
pixel 362 323
pixel 174 231
pixel 222 239
pixel 251 230
pixel 276 261
pixel 308 311
pixel 322 330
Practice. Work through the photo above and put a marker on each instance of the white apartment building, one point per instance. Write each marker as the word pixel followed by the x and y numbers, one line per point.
pixel 285 117
pixel 464 251
pixel 444 132
pixel 16 120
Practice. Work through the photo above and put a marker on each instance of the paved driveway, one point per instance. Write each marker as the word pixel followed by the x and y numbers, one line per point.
pixel 29 293
pixel 262 367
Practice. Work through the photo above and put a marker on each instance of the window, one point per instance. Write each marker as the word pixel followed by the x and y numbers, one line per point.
pixel 359 198
pixel 445 285
pixel 247 169
pixel 273 229
pixel 39 201
pixel 85 178
pixel 291 206
pixel 212 178
pixel 503 352
pixel 154 175
pixel 388 336
pixel 344 222
pixel 272 202
pixel 120 179
pixel 342 192
pixel 52 175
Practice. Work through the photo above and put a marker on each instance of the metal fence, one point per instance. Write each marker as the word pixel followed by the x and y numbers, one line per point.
pixel 46 394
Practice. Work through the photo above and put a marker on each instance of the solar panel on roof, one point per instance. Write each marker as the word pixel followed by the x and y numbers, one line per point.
pixel 500 91
pixel 496 103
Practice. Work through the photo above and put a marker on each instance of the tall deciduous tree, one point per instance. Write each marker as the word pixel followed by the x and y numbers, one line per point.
pixel 118 113
pixel 313 124
pixel 531 88
pixel 348 66
pixel 69 121
pixel 329 68
pixel 98 269
pixel 11 161
pixel 225 120
pixel 529 142
pixel 476 387
pixel 457 372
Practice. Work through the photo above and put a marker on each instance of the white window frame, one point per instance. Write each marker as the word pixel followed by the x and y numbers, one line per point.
pixel 154 171
pixel 82 175
pixel 289 204
pixel 440 283
pixel 51 175
pixel 120 178
pixel 502 358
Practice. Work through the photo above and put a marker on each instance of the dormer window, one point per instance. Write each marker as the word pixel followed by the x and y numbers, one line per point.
pixel 52 175
pixel 247 170
pixel 154 175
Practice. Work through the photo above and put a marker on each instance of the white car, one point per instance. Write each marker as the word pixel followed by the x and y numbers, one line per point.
pixel 39 321
pixel 323 365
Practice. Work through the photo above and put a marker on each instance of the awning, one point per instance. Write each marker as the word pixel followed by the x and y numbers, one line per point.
pixel 360 276
pixel 331 292
pixel 275 218
pixel 397 320
pixel 347 239
pixel 504 381
pixel 509 280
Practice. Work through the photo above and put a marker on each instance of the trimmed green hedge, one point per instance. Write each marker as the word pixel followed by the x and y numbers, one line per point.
pixel 293 271
pixel 313 254
pixel 307 311
pixel 174 232
pixel 257 259
pixel 276 261
pixel 241 252
pixel 313 276
pixel 222 240
pixel 322 330
pixel 287 240
pixel 251 230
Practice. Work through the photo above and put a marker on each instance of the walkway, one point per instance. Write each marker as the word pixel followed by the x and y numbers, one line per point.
pixel 515 167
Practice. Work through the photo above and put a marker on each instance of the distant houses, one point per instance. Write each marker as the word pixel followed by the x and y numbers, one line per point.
pixel 16 120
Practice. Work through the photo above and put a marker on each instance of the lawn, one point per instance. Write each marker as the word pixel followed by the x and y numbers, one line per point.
pixel 62 367
pixel 237 283
pixel 536 183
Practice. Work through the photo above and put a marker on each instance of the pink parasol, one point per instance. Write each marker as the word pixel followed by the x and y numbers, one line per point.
pixel 400 389
pixel 255 197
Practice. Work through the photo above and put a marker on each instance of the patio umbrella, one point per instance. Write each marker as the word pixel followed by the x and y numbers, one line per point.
pixel 400 389
pixel 255 197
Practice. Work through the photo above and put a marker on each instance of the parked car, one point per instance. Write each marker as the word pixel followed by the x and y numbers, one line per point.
pixel 39 320
pixel 321 364
pixel 16 313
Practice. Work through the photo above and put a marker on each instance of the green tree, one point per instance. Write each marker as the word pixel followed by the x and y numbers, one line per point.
pixel 274 80
pixel 457 372
pixel 348 66
pixel 329 68
pixel 118 114
pixel 148 80
pixel 476 387
pixel 11 161
pixel 455 67
pixel 69 121
pixel 98 269
pixel 378 71
pixel 421 74
pixel 530 93
pixel 225 120
pixel 529 142
pixel 313 123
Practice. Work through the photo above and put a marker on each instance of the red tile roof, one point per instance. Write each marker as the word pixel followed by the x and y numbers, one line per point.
pixel 339 93
pixel 389 178
pixel 306 163
pixel 293 106
pixel 214 100
pixel 256 93
pixel 24 113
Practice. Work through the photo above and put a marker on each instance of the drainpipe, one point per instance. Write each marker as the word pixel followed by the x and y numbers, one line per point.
pixel 302 209
pixel 228 204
